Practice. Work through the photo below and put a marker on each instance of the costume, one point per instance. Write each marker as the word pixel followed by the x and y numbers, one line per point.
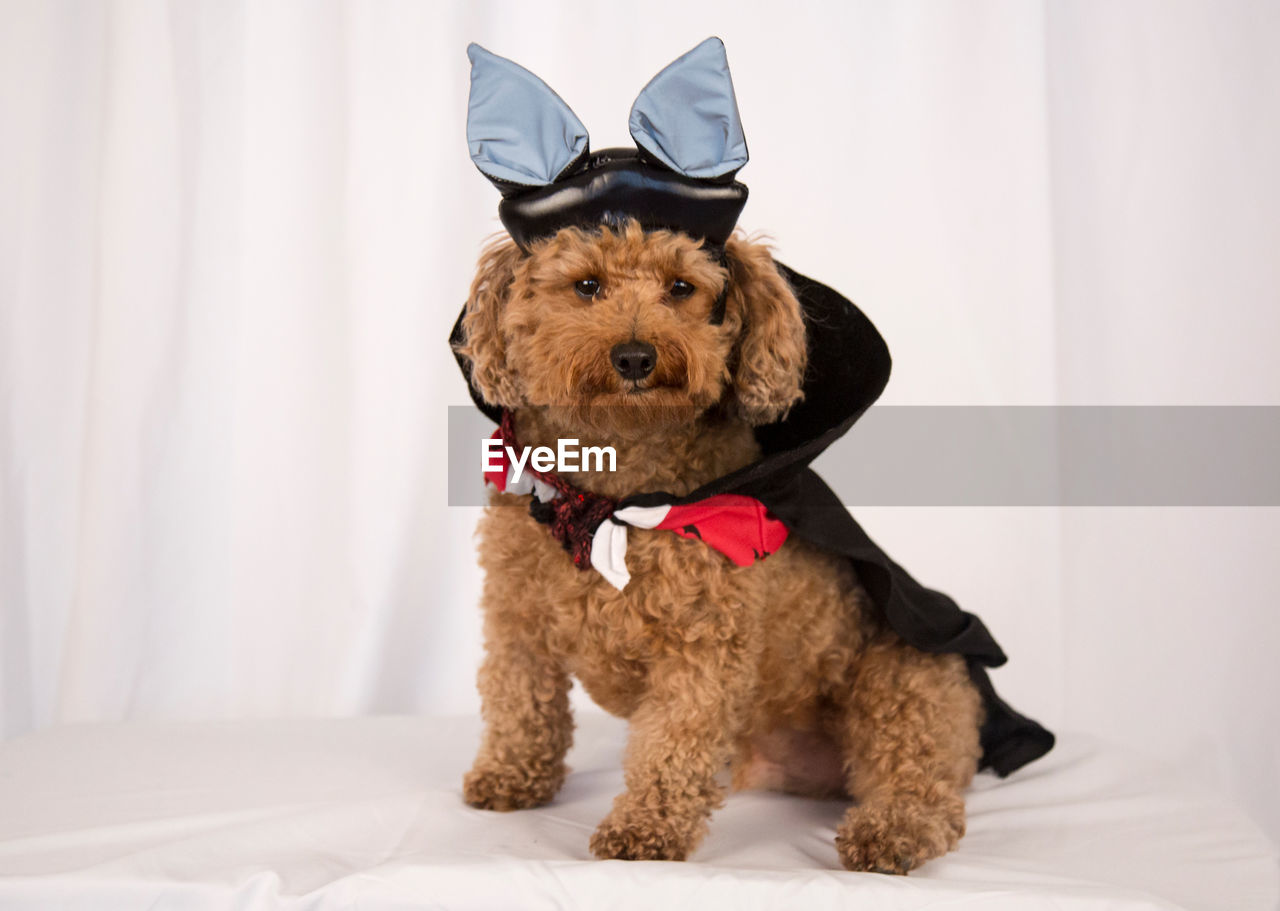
pixel 681 177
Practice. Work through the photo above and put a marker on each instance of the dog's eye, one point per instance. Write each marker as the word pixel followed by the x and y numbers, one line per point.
pixel 681 289
pixel 587 288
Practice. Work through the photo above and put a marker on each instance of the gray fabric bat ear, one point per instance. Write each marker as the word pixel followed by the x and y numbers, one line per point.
pixel 518 129
pixel 687 116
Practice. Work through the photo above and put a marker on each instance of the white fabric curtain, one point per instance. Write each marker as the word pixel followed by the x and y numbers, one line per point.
pixel 234 235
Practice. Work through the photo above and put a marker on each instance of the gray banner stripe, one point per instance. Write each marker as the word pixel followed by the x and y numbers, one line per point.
pixel 1016 456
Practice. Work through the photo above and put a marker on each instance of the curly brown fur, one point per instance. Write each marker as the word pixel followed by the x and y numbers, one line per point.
pixel 778 669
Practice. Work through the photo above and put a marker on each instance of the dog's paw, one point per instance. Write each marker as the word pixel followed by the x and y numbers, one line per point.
pixel 897 837
pixel 508 789
pixel 630 833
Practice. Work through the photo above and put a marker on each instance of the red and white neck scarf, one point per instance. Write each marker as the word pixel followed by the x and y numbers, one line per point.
pixel 593 528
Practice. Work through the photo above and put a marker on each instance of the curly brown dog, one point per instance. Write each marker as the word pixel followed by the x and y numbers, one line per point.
pixel 779 669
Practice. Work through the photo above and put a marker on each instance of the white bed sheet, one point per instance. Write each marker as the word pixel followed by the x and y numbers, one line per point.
pixel 367 813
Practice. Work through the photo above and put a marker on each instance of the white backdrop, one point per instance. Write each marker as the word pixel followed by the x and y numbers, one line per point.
pixel 233 237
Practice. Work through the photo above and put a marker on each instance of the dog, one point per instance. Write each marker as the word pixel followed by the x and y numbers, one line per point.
pixel 780 670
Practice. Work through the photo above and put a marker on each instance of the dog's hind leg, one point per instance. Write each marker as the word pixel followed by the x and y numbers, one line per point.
pixel 910 730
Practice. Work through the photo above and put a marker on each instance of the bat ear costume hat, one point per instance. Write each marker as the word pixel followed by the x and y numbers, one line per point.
pixel 681 176
pixel 689 146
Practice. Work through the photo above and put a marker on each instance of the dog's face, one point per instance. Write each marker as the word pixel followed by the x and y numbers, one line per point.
pixel 614 330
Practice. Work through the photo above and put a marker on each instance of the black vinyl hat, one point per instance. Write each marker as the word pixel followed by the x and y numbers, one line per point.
pixel 613 185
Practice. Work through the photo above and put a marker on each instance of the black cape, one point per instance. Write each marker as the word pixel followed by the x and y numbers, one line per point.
pixel 848 369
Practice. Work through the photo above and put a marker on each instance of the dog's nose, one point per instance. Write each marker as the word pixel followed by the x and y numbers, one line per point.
pixel 634 360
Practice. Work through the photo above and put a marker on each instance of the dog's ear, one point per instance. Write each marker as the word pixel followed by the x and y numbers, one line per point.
pixel 771 354
pixel 483 344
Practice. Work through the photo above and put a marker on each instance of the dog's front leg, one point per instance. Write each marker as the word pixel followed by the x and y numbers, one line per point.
pixel 524 692
pixel 680 738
